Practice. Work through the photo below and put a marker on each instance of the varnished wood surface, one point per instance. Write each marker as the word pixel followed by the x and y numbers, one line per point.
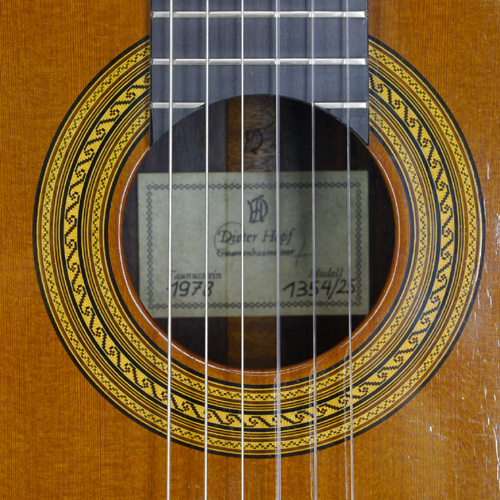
pixel 61 439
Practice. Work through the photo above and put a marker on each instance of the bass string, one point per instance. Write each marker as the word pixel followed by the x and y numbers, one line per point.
pixel 207 151
pixel 242 167
pixel 170 191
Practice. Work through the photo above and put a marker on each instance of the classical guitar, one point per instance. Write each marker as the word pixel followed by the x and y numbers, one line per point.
pixel 250 249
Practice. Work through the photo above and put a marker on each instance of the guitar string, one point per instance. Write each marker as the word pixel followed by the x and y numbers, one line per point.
pixel 313 263
pixel 242 167
pixel 170 190
pixel 207 129
pixel 278 322
pixel 278 294
pixel 349 261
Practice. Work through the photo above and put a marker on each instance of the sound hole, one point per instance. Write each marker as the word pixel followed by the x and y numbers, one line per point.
pixel 224 332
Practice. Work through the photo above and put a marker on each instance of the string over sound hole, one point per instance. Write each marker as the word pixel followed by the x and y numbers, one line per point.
pixel 372 233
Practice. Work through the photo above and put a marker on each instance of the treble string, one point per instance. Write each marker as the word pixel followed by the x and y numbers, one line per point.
pixel 349 263
pixel 170 189
pixel 313 263
pixel 278 294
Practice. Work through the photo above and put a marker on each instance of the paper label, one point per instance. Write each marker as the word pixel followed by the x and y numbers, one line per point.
pixel 259 244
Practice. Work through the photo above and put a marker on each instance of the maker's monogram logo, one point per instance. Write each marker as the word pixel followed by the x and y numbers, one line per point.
pixel 258 209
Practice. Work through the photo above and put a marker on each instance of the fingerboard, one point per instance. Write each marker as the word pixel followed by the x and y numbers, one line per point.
pixel 326 49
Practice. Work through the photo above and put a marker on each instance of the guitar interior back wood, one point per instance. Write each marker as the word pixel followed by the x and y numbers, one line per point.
pixel 61 439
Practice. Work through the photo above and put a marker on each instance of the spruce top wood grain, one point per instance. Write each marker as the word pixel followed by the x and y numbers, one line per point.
pixel 62 439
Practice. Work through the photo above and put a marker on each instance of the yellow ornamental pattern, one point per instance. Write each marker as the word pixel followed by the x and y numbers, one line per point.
pixel 76 186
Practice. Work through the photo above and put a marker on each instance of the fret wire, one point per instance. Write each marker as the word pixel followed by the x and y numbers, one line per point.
pixel 242 167
pixel 349 260
pixel 342 105
pixel 170 190
pixel 236 14
pixel 199 104
pixel 264 61
pixel 177 105
pixel 278 267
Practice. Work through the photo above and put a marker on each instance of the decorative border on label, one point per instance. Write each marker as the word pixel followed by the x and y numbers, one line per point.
pixel 150 273
pixel 424 322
